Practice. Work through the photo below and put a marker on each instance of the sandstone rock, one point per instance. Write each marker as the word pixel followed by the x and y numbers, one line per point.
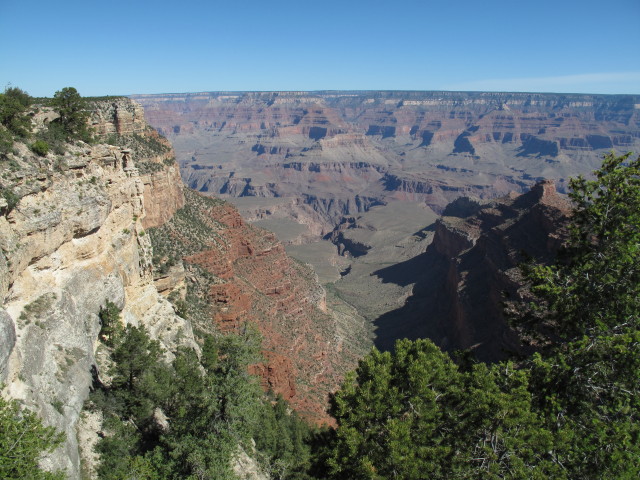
pixel 118 116
pixel 74 241
pixel 246 467
pixel 172 281
pixel 162 196
pixel 7 342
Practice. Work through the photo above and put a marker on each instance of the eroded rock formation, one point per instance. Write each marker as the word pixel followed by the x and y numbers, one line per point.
pixel 73 241
pixel 254 282
pixel 471 267
pixel 338 153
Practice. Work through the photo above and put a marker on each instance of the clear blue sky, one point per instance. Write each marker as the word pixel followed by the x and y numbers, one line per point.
pixel 125 47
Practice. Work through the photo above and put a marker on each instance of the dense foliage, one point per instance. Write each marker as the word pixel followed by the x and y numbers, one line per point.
pixel 14 119
pixel 589 386
pixel 595 290
pixel 571 411
pixel 23 439
pixel 189 419
pixel 414 414
pixel 14 104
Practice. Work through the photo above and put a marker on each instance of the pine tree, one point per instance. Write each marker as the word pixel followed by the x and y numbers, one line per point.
pixel 23 439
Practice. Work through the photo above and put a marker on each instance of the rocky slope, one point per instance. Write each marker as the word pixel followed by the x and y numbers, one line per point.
pixel 72 238
pixel 470 269
pixel 336 154
pixel 246 278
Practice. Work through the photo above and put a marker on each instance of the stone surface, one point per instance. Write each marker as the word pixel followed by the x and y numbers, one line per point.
pixel 118 116
pixel 74 241
pixel 7 342
pixel 246 467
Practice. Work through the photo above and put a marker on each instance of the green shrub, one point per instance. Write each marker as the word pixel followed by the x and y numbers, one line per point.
pixel 36 309
pixel 13 111
pixel 11 198
pixel 6 141
pixel 110 324
pixel 40 147
pixel 73 113
pixel 145 168
pixel 55 137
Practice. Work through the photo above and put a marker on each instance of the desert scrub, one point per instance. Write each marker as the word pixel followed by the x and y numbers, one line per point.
pixel 36 309
pixel 58 405
pixel 40 147
pixel 141 146
pixel 191 230
pixel 11 198
pixel 145 168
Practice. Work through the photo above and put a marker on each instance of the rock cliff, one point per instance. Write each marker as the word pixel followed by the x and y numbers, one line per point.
pixel 72 239
pixel 471 267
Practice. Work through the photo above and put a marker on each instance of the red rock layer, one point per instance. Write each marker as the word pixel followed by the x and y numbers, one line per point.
pixel 260 284
pixel 472 262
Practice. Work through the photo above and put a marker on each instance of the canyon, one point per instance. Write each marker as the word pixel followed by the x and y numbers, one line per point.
pixel 352 182
pixel 408 214
pixel 315 157
pixel 83 228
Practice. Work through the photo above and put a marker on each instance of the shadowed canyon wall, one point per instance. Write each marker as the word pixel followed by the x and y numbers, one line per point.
pixel 471 268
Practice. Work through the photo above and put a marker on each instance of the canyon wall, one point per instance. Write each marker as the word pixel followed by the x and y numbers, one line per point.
pixel 76 232
pixel 338 153
pixel 472 267
pixel 246 280
pixel 73 240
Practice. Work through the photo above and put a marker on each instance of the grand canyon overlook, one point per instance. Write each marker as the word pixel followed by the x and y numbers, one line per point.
pixel 353 181
pixel 320 241
pixel 409 214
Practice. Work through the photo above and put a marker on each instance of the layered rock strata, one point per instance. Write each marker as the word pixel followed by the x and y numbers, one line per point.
pixel 471 268
pixel 74 240
pixel 253 281
pixel 336 154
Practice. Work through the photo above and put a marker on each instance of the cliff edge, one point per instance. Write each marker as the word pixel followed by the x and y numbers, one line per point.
pixel 72 237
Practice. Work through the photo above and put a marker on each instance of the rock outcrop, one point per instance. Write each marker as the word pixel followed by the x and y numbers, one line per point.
pixel 74 240
pixel 471 267
pixel 118 116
